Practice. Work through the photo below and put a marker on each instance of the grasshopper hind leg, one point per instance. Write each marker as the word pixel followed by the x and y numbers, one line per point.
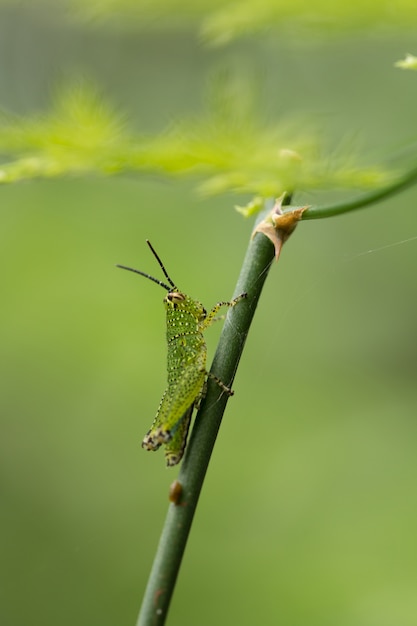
pixel 174 449
pixel 156 436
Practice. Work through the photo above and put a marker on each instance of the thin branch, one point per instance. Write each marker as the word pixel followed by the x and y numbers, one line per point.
pixel 317 212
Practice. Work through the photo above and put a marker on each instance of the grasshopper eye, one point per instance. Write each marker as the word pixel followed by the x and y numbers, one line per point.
pixel 175 297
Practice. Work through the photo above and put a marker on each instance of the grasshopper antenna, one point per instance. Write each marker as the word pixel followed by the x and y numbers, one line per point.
pixel 160 264
pixel 155 280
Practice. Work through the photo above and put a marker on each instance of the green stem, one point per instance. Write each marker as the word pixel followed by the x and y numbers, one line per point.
pixel 256 265
pixel 317 212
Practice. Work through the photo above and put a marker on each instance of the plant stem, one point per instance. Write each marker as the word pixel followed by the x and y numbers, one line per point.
pixel 255 268
pixel 256 265
pixel 317 212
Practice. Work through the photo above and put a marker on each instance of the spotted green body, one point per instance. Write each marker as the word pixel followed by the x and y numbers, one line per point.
pixel 186 320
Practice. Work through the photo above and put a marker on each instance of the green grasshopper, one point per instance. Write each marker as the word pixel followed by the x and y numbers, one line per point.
pixel 186 321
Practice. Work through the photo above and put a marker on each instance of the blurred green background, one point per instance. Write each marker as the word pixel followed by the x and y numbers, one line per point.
pixel 309 511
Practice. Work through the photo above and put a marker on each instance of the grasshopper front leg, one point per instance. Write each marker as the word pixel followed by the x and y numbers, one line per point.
pixel 211 315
